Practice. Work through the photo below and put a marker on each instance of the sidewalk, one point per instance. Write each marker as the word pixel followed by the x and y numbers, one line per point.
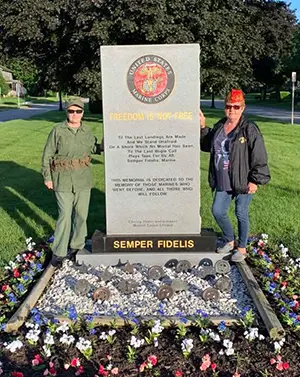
pixel 266 112
pixel 34 109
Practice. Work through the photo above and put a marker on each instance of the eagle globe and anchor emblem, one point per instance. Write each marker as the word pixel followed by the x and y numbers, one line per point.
pixel 150 79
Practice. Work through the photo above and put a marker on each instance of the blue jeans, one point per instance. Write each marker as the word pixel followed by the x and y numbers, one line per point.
pixel 220 207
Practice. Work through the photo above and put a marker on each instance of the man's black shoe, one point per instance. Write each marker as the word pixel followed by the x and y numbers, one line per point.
pixel 72 254
pixel 56 261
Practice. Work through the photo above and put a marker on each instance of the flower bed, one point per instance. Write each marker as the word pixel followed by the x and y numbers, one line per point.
pixel 43 347
pixel 19 277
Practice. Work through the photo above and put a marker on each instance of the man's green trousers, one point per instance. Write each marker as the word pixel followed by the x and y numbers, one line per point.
pixel 71 228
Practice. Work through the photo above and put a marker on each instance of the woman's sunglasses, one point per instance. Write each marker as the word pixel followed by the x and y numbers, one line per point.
pixel 75 111
pixel 235 107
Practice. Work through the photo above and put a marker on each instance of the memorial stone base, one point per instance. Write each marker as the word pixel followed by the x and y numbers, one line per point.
pixel 151 250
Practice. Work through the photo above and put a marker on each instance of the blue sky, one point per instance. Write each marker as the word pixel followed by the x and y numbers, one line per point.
pixel 295 4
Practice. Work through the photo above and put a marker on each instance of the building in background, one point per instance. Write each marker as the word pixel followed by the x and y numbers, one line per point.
pixel 13 84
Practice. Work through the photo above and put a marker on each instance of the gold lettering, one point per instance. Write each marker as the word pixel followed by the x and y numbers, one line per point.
pixel 149 244
pixel 160 243
pixel 116 244
pixel 126 116
pixel 191 243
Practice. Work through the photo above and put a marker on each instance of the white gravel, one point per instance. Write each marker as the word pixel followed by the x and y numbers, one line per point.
pixel 60 293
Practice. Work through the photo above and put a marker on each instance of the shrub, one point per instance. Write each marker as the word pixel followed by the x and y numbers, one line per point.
pixel 3 85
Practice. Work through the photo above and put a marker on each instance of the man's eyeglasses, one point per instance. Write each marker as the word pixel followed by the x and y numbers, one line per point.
pixel 75 111
pixel 235 107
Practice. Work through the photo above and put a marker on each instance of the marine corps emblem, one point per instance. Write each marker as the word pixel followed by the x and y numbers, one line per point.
pixel 150 79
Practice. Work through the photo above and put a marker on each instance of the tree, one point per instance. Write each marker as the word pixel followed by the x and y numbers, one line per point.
pixel 275 23
pixel 62 37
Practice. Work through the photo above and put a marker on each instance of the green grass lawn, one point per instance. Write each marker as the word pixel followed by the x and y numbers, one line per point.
pixel 28 209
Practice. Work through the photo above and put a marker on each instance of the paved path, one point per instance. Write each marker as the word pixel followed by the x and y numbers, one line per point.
pixel 266 112
pixel 34 109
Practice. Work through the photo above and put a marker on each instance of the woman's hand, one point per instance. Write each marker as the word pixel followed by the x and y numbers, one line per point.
pixel 252 188
pixel 49 185
pixel 202 119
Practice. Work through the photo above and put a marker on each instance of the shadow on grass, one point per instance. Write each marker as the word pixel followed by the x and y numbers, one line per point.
pixel 26 200
pixel 57 116
pixel 41 100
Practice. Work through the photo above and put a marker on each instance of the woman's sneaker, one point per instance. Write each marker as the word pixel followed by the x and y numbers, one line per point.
pixel 238 257
pixel 227 248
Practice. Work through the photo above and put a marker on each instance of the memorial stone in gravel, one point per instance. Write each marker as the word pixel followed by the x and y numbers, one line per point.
pixel 151 97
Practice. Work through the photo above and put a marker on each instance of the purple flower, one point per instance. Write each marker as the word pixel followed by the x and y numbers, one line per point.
pixel 50 239
pixel 12 297
pixel 121 314
pixel 269 274
pixel 39 267
pixel 72 312
pixel 21 288
pixel 181 317
pixel 202 313
pixel 88 318
pixel 245 310
pixel 160 310
pixel 222 326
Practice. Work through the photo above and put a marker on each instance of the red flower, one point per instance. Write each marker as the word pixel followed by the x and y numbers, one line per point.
pixel 286 365
pixel 37 360
pixel 79 371
pixel 75 362
pixel 276 274
pixel 4 287
pixel 152 359
pixel 213 366
pixel 16 273
pixel 52 371
pixel 279 366
pixel 102 371
pixel 142 366
pixel 178 373
pixel 27 257
pixel 17 374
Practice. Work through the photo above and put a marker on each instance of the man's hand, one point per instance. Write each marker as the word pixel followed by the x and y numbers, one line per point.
pixel 49 185
pixel 252 188
pixel 202 119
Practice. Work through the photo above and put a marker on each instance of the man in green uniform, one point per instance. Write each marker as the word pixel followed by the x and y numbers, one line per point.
pixel 66 170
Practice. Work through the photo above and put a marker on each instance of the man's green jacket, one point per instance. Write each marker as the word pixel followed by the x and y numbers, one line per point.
pixel 66 157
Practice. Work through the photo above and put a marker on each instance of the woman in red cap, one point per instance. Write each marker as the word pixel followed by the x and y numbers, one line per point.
pixel 238 164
